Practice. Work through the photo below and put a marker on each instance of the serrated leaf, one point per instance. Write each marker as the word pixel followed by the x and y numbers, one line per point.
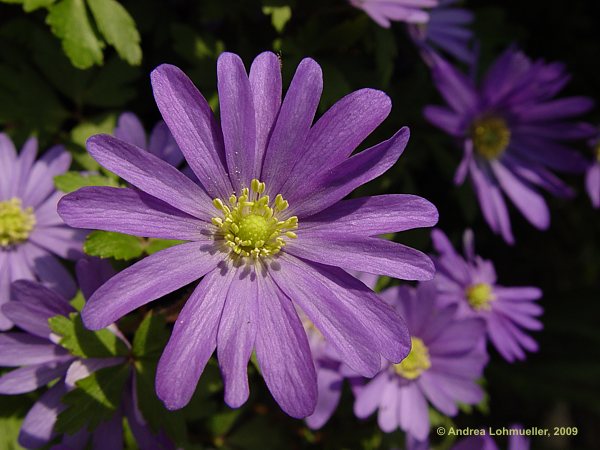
pixel 103 124
pixel 71 181
pixel 96 398
pixel 151 337
pixel 78 301
pixel 156 245
pixel 107 244
pixel 69 21
pixel 83 342
pixel 118 28
pixel 32 5
pixel 280 15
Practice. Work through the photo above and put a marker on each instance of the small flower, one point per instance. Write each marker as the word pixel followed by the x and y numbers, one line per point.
pixel 512 130
pixel 267 230
pixel 447 29
pixel 446 358
pixel 592 176
pixel 40 360
pixel 386 11
pixel 470 283
pixel 31 232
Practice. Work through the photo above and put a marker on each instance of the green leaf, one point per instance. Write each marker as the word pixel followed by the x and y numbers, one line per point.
pixel 156 245
pixel 68 20
pixel 151 337
pixel 102 124
pixel 118 28
pixel 9 432
pixel 71 181
pixel 94 401
pixel 85 343
pixel 32 5
pixel 280 15
pixel 107 244
pixel 78 302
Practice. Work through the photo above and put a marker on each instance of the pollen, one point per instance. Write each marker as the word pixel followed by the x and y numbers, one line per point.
pixel 480 296
pixel 491 136
pixel 250 223
pixel 416 362
pixel 16 223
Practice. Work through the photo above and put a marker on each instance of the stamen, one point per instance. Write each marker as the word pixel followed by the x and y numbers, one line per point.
pixel 16 223
pixel 480 296
pixel 416 362
pixel 491 136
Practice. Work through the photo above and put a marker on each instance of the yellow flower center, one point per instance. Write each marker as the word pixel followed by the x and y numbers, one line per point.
pixel 250 225
pixel 479 296
pixel 416 362
pixel 16 223
pixel 491 136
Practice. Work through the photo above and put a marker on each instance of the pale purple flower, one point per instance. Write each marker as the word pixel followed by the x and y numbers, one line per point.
pixel 446 359
pixel 160 142
pixel 470 283
pixel 386 11
pixel 40 360
pixel 592 175
pixel 513 132
pixel 262 247
pixel 447 30
pixel 31 232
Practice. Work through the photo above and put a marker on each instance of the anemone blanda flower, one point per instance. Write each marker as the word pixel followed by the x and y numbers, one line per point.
pixel 160 142
pixel 470 283
pixel 592 175
pixel 386 11
pixel 41 360
pixel 261 246
pixel 447 357
pixel 31 232
pixel 512 130
pixel 447 29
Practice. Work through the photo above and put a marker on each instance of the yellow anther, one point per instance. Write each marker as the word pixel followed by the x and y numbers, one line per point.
pixel 16 223
pixel 416 362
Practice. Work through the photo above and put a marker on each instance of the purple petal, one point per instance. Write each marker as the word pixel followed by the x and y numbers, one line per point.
pixel 445 119
pixel 193 340
pixel 328 189
pixel 30 378
pixel 129 129
pixel 518 293
pixel 329 392
pixel 437 395
pixel 109 434
pixel 371 216
pixel 387 417
pixel 21 349
pixel 8 156
pixel 370 396
pixel 373 255
pixel 413 411
pixel 237 119
pixel 46 214
pixel 5 323
pixel 562 108
pixel 83 368
pixel 40 183
pixel 337 134
pixel 49 270
pixel 193 126
pixel 93 273
pixel 459 337
pixel 62 241
pixel 265 81
pixel 283 353
pixel 295 117
pixel 37 427
pixel 592 184
pixel 25 162
pixel 456 88
pixel 147 280
pixel 128 211
pixel 151 174
pixel 164 146
pixel 236 335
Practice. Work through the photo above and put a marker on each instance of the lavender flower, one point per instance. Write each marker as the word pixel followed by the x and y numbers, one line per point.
pixel 160 142
pixel 446 358
pixel 447 29
pixel 31 232
pixel 592 176
pixel 261 246
pixel 40 360
pixel 385 11
pixel 512 130
pixel 470 283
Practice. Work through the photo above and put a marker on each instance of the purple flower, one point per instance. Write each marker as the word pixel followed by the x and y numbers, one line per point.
pixel 160 142
pixel 447 29
pixel 512 130
pixel 385 11
pixel 470 283
pixel 592 176
pixel 446 358
pixel 41 360
pixel 262 247
pixel 31 232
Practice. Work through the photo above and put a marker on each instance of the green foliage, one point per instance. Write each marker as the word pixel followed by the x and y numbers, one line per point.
pixel 106 244
pixel 150 337
pixel 156 245
pixel 85 343
pixel 71 181
pixel 280 15
pixel 94 401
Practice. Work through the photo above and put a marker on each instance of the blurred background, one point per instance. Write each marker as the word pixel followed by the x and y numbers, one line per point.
pixel 42 93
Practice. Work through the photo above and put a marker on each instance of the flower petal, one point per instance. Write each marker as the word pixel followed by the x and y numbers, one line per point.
pixel 21 349
pixel 37 428
pixel 30 378
pixel 147 280
pixel 330 390
pixel 40 183
pixel 129 129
